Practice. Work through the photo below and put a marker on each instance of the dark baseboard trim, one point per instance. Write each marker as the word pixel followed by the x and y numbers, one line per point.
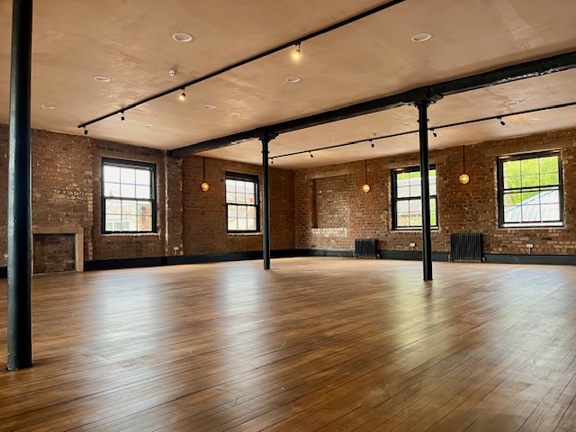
pixel 115 264
pixel 531 259
pixel 412 255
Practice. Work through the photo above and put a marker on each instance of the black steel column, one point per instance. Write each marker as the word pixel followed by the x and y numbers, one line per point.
pixel 19 192
pixel 265 202
pixel 425 188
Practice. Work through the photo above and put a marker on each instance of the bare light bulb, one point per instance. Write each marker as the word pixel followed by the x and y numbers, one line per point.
pixel 366 188
pixel 297 53
pixel 205 186
pixel 464 178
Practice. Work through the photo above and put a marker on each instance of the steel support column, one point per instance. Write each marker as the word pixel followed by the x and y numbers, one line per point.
pixel 265 139
pixel 425 188
pixel 19 192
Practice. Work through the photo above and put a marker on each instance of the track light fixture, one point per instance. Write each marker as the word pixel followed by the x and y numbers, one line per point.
pixel 502 122
pixel 182 96
pixel 122 118
pixel 297 52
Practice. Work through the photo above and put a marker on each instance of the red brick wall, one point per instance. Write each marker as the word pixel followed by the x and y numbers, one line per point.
pixel 204 213
pixel 66 193
pixel 111 246
pixel 462 208
pixel 53 253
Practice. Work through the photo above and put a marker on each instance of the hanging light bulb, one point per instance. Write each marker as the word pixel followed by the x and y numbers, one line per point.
pixel 271 161
pixel 85 131
pixel 366 186
pixel 464 178
pixel 297 52
pixel 311 155
pixel 434 133
pixel 204 186
pixel 371 143
pixel 502 122
pixel 182 96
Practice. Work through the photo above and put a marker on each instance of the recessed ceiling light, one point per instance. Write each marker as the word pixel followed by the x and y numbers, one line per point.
pixel 48 107
pixel 182 37
pixel 511 102
pixel 148 125
pixel 421 37
pixel 292 79
pixel 209 106
pixel 102 78
pixel 535 119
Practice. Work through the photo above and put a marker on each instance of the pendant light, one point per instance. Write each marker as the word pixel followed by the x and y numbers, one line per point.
pixel 366 186
pixel 204 186
pixel 464 178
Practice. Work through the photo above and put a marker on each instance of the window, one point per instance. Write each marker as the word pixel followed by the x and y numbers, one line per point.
pixel 406 198
pixel 530 190
pixel 128 196
pixel 242 206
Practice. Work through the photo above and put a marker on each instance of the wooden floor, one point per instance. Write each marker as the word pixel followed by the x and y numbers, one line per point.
pixel 316 344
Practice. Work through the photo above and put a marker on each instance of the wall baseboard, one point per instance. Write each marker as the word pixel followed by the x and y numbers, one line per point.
pixel 125 263
pixel 531 259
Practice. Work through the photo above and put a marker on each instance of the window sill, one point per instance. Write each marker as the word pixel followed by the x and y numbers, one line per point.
pixel 130 234
pixel 523 227
pixel 254 233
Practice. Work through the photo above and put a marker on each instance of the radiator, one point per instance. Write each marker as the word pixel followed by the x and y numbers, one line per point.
pixel 366 248
pixel 466 247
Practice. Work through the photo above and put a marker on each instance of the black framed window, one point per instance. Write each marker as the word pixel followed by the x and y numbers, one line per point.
pixel 128 196
pixel 530 190
pixel 406 198
pixel 242 203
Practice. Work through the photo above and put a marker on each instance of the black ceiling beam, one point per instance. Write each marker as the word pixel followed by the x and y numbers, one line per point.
pixel 507 74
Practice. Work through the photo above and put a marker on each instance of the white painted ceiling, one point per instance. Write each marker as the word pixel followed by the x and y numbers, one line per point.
pixel 131 42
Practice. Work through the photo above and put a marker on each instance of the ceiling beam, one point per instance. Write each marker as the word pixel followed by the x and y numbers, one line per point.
pixel 531 69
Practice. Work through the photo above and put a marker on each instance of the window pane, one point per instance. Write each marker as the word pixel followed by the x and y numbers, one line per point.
pixel 111 174
pixel 537 198
pixel 530 180
pixel 132 222
pixel 230 186
pixel 111 189
pixel 127 175
pixel 143 192
pixel 128 190
pixel 143 177
pixel 549 164
pixel 113 207
pixel 403 191
pixel 144 223
pixel 232 224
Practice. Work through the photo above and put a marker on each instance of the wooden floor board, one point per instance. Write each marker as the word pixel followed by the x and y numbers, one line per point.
pixel 315 344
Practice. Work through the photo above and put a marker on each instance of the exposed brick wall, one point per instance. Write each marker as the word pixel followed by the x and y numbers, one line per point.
pixel 204 213
pixel 62 180
pixel 110 246
pixel 53 253
pixel 66 172
pixel 462 208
